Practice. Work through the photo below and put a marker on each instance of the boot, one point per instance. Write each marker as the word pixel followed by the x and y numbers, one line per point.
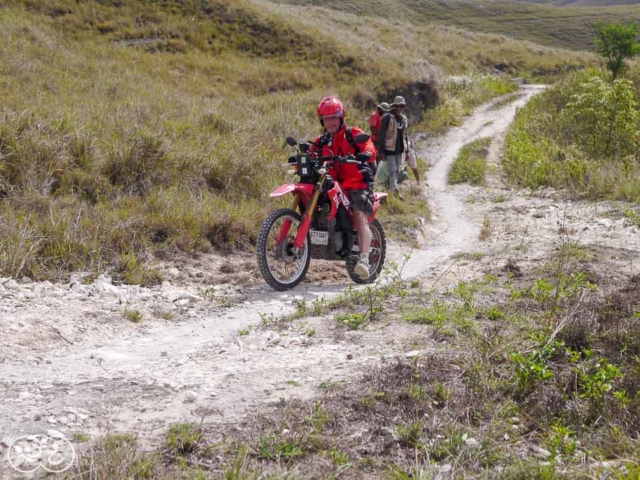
pixel 362 267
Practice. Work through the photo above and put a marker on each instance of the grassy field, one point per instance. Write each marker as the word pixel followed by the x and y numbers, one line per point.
pixel 569 27
pixel 136 128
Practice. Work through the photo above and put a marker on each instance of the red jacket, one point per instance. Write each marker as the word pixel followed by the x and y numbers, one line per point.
pixel 349 175
pixel 374 123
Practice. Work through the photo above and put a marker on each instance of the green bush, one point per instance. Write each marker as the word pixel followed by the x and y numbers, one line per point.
pixel 471 164
pixel 580 135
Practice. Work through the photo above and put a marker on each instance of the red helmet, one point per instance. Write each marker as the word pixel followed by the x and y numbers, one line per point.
pixel 330 107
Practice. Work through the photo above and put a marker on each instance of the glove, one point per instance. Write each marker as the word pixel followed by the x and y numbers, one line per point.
pixel 363 157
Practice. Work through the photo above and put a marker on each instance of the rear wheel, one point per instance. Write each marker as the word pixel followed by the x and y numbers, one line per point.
pixel 283 266
pixel 377 255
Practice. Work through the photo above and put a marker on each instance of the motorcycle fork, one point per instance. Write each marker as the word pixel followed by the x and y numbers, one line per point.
pixel 308 215
pixel 284 231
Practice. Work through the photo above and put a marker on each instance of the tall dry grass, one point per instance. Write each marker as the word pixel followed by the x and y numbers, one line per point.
pixel 133 128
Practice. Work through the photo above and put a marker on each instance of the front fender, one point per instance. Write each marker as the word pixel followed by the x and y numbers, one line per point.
pixel 283 190
pixel 303 191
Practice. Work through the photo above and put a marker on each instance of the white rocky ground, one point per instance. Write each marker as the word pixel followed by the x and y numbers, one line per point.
pixel 71 362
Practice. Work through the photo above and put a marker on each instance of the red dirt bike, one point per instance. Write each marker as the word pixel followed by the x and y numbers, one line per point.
pixel 318 225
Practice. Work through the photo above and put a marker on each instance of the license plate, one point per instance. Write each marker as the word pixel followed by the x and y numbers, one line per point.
pixel 319 238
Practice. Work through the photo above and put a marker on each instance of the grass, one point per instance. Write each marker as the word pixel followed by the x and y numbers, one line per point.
pixel 570 27
pixel 402 218
pixel 116 456
pixel 471 164
pixel 131 131
pixel 134 316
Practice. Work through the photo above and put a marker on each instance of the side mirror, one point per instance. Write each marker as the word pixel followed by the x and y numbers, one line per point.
pixel 362 137
pixel 291 141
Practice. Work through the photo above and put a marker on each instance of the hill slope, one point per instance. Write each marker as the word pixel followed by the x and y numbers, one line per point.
pixel 579 3
pixel 568 27
pixel 130 127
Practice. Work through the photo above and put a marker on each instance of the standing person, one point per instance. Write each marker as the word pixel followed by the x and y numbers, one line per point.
pixel 354 179
pixel 375 120
pixel 393 136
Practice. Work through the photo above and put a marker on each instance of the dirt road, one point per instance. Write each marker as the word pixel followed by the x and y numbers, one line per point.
pixel 72 362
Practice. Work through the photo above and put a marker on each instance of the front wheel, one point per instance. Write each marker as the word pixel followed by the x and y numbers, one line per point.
pixel 377 255
pixel 283 266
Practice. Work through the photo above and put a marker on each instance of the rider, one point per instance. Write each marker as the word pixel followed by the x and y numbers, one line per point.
pixel 355 180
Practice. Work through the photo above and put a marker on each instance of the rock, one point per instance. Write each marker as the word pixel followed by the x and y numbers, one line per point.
pixel 46 386
pixel 11 284
pixel 471 442
pixel 103 279
pixel 413 354
pixel 605 222
pixel 540 452
pixel 446 468
pixel 52 420
pixel 176 294
pixel 6 441
pixel 99 387
pixel 190 397
pixel 55 434
pixel 173 272
pixel 109 290
pixel 164 354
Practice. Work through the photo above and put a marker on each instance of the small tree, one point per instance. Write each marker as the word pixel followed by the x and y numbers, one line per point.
pixel 617 42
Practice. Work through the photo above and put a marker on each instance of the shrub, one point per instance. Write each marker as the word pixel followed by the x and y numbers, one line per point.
pixel 471 164
pixel 580 135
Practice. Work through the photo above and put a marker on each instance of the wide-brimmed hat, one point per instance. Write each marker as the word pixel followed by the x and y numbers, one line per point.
pixel 398 101
pixel 385 107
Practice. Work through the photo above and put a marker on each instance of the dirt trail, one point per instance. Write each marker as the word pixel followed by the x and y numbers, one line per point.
pixel 124 376
pixel 455 230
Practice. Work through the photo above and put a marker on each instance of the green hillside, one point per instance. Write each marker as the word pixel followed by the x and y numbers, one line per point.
pixel 568 27
pixel 136 127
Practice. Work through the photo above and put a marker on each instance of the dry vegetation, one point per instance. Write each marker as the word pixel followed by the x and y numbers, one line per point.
pixel 136 128
pixel 569 27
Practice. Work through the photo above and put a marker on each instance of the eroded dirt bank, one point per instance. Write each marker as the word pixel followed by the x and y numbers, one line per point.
pixel 72 361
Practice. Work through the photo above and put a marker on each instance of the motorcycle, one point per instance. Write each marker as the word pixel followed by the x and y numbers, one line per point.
pixel 318 225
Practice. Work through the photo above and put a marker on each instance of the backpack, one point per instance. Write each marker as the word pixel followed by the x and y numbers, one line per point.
pixel 349 136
